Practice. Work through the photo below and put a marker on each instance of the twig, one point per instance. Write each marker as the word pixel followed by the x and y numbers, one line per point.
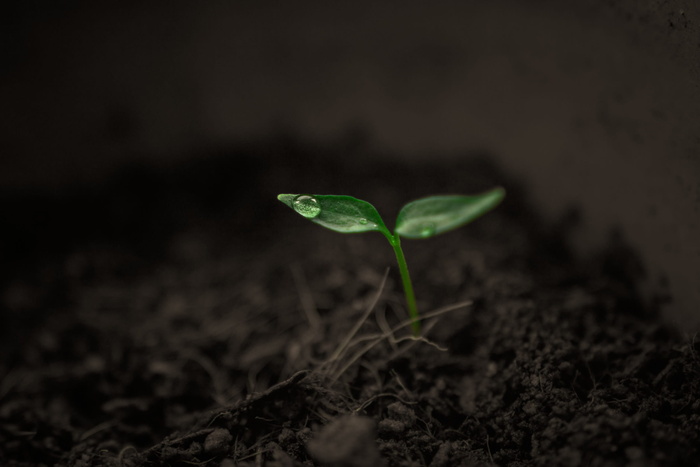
pixel 346 342
pixel 308 305
pixel 400 326
pixel 96 429
pixel 384 325
pixel 121 457
pixel 488 448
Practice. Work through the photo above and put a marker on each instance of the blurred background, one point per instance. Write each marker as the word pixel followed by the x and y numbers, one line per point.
pixel 594 106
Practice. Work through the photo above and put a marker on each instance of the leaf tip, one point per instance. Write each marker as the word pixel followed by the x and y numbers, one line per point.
pixel 286 198
pixel 499 192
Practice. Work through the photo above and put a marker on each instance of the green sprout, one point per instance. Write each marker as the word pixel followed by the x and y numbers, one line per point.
pixel 423 218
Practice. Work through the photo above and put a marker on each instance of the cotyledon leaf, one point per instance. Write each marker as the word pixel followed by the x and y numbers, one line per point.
pixel 337 212
pixel 434 215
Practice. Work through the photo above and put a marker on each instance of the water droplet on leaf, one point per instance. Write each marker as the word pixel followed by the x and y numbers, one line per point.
pixel 363 221
pixel 307 206
pixel 427 229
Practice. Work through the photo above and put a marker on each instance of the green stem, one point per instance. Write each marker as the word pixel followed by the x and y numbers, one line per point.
pixel 407 284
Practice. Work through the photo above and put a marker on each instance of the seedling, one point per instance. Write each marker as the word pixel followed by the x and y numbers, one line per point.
pixel 423 218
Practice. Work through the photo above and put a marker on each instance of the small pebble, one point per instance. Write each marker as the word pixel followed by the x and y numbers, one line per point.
pixel 218 441
pixel 347 441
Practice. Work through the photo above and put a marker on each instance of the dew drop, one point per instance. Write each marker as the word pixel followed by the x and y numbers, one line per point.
pixel 363 221
pixel 427 229
pixel 307 206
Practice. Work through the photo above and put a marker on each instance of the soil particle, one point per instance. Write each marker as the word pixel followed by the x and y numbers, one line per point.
pixel 348 441
pixel 217 442
pixel 399 418
pixel 391 428
pixel 401 413
pixel 442 455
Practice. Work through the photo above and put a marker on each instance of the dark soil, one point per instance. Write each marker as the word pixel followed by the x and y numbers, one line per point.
pixel 183 316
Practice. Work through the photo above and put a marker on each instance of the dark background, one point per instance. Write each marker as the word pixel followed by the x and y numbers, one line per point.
pixel 593 106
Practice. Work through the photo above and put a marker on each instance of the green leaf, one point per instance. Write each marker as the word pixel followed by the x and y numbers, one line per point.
pixel 337 212
pixel 434 215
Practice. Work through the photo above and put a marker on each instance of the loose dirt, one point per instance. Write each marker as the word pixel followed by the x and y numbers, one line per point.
pixel 184 317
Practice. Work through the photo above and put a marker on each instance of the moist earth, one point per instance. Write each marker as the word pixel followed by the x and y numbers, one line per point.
pixel 183 316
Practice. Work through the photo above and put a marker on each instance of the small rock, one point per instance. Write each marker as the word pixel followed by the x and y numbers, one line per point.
pixel 348 441
pixel 218 441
